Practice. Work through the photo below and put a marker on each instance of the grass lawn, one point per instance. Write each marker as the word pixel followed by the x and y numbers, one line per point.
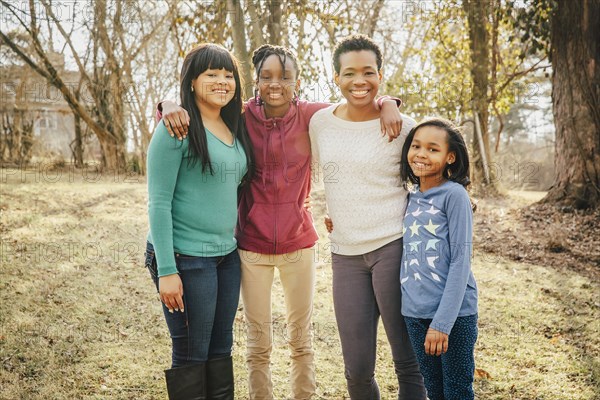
pixel 80 318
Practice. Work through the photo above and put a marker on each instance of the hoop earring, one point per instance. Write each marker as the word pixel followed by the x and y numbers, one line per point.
pixel 257 100
pixel 192 89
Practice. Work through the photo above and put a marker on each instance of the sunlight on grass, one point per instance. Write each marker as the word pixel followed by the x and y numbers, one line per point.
pixel 81 318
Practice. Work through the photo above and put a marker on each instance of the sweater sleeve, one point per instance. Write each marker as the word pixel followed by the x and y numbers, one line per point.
pixel 381 99
pixel 312 107
pixel 165 155
pixel 460 235
pixel 313 128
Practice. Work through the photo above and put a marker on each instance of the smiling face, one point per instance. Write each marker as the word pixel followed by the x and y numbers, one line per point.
pixel 359 78
pixel 214 88
pixel 428 155
pixel 276 87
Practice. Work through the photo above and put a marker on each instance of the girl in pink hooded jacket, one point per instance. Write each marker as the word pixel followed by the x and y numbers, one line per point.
pixel 274 229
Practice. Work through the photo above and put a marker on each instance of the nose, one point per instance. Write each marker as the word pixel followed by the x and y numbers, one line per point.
pixel 359 80
pixel 422 153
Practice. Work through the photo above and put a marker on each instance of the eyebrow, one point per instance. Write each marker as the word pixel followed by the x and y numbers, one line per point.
pixel 365 67
pixel 430 143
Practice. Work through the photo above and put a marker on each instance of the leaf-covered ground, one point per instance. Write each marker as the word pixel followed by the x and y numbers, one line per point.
pixel 80 318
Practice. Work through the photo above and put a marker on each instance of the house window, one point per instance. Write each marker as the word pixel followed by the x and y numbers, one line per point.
pixel 47 121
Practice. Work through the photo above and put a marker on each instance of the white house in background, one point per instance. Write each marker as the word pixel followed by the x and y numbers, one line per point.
pixel 23 89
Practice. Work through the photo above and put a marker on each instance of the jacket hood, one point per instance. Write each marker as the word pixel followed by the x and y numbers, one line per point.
pixel 258 113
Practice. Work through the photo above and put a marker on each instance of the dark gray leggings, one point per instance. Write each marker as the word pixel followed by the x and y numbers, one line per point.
pixel 365 287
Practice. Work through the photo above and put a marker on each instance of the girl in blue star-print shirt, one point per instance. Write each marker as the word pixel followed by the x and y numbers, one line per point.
pixel 439 293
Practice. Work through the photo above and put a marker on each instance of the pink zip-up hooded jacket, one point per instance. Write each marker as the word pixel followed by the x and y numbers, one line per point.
pixel 272 218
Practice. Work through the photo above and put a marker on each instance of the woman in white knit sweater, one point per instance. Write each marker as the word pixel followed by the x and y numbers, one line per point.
pixel 366 202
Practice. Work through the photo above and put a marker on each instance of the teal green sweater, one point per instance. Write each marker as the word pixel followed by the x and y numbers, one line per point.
pixel 191 212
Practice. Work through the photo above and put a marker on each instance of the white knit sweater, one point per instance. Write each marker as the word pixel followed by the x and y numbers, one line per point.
pixel 361 175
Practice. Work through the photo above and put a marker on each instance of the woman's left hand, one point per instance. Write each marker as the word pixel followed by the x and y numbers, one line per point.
pixel 328 224
pixel 307 204
pixel 436 342
pixel 391 120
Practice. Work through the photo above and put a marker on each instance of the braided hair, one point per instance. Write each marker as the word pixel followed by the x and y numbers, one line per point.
pixel 263 52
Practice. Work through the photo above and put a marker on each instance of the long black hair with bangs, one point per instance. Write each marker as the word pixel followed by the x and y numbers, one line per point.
pixel 203 57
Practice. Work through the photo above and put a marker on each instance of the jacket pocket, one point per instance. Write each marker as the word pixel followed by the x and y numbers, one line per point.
pixel 289 221
pixel 260 222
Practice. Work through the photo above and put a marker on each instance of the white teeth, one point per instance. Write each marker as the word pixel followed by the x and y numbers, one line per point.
pixel 359 92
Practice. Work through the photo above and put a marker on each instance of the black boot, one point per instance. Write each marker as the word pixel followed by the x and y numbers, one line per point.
pixel 187 382
pixel 219 379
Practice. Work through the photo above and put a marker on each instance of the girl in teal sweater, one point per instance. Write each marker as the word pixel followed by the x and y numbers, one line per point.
pixel 192 253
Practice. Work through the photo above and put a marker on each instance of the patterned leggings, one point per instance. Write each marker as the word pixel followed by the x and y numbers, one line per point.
pixel 449 376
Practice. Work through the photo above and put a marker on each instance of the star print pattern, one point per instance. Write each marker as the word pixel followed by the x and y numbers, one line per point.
pixel 414 246
pixel 435 257
pixel 422 225
pixel 431 227
pixel 431 244
pixel 431 211
pixel 431 261
pixel 414 229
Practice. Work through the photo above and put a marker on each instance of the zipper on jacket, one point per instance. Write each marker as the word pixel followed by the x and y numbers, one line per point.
pixel 276 191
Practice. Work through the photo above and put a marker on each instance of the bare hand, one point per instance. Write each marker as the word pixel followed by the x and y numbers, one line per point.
pixel 176 119
pixel 391 120
pixel 307 204
pixel 170 289
pixel 328 224
pixel 436 342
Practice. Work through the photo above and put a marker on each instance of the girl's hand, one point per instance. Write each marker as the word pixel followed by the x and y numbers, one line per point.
pixel 328 224
pixel 391 120
pixel 307 204
pixel 436 342
pixel 170 289
pixel 176 119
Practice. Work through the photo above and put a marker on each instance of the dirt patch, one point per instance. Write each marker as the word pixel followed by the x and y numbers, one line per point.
pixel 519 228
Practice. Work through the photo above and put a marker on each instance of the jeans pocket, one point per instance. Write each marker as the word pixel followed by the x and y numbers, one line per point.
pixel 150 264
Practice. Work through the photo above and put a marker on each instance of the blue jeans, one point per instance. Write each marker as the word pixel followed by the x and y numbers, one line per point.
pixel 449 376
pixel 211 291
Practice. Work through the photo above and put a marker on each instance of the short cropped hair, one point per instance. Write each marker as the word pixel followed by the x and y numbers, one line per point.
pixel 356 42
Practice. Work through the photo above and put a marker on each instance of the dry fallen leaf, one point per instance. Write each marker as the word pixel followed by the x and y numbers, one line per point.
pixel 482 374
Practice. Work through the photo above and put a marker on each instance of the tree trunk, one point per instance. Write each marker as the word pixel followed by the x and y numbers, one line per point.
pixel 576 104
pixel 274 26
pixel 477 12
pixel 77 143
pixel 113 154
pixel 256 37
pixel 239 46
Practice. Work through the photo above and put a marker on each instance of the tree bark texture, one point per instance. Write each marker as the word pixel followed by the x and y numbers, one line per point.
pixel 576 103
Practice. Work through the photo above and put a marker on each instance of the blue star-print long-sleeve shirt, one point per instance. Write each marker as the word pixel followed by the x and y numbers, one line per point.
pixel 436 277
